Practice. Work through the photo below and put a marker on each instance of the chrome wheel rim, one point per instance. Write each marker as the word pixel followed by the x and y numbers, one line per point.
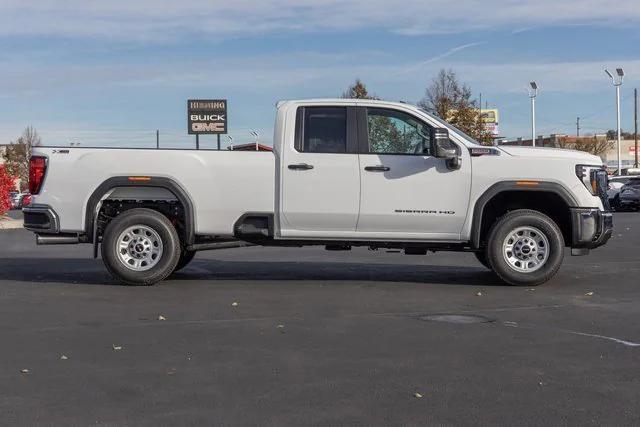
pixel 526 249
pixel 139 248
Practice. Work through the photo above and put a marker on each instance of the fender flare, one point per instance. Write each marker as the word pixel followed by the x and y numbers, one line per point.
pixel 124 181
pixel 501 187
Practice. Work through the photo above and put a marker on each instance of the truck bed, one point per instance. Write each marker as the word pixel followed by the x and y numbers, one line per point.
pixel 222 185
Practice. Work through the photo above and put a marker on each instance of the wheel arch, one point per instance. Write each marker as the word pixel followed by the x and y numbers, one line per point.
pixel 129 184
pixel 521 187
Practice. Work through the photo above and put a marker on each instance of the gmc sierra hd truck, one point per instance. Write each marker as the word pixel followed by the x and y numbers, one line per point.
pixel 342 173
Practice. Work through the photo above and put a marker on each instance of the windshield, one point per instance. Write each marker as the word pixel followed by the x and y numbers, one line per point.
pixel 447 124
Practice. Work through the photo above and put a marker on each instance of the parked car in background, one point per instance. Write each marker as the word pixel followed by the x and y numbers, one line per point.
pixel 25 200
pixel 12 199
pixel 19 200
pixel 630 195
pixel 615 185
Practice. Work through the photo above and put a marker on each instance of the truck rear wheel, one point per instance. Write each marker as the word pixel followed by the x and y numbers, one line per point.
pixel 140 247
pixel 525 248
pixel 185 258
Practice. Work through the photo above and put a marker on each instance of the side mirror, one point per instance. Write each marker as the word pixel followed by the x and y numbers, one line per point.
pixel 442 148
pixel 440 145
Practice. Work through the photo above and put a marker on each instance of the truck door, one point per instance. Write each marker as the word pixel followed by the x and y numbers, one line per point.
pixel 320 176
pixel 405 192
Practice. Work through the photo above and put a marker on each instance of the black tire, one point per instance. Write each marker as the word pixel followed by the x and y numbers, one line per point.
pixel 165 231
pixel 185 258
pixel 538 223
pixel 482 259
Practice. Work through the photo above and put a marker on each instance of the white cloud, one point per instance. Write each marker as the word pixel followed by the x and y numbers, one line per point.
pixel 167 20
pixel 287 71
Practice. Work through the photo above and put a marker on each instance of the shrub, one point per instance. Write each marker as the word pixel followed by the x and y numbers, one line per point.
pixel 6 185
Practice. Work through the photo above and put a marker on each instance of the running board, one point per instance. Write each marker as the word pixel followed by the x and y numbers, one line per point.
pixel 218 245
pixel 57 239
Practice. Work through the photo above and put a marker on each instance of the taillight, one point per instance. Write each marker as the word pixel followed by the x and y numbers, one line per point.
pixel 37 170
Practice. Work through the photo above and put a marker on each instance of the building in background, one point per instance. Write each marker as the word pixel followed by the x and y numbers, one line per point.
pixel 252 146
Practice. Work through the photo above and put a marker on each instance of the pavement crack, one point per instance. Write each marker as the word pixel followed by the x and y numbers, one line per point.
pixel 568 331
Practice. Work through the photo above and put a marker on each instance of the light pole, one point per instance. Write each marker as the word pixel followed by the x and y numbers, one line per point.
pixel 617 82
pixel 230 138
pixel 533 92
pixel 257 135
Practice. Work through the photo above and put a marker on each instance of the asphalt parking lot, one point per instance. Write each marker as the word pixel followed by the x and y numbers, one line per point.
pixel 319 338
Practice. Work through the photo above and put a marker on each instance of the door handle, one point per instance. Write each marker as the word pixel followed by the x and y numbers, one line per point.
pixel 300 166
pixel 378 168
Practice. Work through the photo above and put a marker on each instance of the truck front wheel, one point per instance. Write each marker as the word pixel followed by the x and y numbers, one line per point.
pixel 525 248
pixel 140 247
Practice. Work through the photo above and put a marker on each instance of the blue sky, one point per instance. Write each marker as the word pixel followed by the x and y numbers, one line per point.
pixel 105 73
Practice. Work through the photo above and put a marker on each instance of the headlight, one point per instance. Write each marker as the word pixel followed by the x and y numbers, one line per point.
pixel 592 177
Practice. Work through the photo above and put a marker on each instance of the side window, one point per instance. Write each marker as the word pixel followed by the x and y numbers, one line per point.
pixel 395 132
pixel 324 130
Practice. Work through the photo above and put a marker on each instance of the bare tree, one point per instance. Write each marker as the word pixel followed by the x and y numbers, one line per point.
pixel 452 101
pixel 18 153
pixel 593 145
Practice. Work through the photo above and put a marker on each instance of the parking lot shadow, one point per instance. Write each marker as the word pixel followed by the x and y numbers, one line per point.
pixel 92 272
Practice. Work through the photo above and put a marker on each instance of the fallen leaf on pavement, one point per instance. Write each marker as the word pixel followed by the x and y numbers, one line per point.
pixel 116 347
pixel 24 371
pixel 417 395
pixel 588 294
pixel 234 304
pixel 161 317
pixel 479 294
pixel 63 357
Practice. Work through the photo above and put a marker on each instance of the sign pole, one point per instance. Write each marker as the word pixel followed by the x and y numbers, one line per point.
pixel 218 141
pixel 197 141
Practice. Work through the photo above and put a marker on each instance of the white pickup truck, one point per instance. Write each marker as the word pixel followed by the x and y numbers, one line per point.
pixel 342 173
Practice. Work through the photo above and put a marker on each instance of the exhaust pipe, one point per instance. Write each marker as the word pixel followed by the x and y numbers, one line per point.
pixel 56 239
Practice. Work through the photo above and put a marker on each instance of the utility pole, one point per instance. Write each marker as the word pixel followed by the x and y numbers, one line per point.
pixel 578 127
pixel 157 139
pixel 635 119
pixel 533 92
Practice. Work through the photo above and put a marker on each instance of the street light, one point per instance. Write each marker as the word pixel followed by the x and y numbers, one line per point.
pixel 617 82
pixel 257 135
pixel 533 92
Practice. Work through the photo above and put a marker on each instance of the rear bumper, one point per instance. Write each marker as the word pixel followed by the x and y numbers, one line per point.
pixel 41 219
pixel 590 227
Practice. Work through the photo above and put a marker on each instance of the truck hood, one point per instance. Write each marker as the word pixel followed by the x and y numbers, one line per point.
pixel 557 153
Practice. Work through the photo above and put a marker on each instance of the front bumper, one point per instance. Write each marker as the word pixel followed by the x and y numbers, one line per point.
pixel 629 202
pixel 590 227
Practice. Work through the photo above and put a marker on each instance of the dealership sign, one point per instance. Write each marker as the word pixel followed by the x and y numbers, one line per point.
pixel 207 116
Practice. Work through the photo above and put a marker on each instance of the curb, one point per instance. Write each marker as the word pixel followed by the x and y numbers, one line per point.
pixel 10 224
